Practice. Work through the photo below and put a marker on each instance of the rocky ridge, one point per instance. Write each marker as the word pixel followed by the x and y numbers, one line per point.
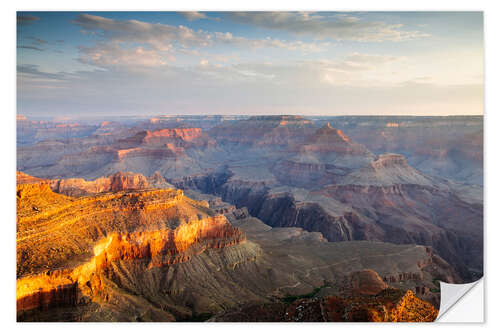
pixel 77 252
pixel 120 181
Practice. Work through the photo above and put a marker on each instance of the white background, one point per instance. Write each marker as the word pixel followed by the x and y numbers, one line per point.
pixel 468 309
pixel 8 153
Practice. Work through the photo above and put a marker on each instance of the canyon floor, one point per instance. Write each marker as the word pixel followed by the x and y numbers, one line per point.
pixel 268 218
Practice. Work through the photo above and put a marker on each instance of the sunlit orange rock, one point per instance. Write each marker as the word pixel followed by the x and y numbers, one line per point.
pixel 329 139
pixel 412 309
pixel 186 134
pixel 120 181
pixel 389 305
pixel 65 245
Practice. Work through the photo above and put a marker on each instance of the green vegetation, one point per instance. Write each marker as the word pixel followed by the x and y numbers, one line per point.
pixel 292 298
pixel 438 286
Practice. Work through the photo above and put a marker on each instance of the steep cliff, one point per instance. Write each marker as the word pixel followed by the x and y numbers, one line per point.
pixel 264 131
pixel 397 213
pixel 387 169
pixel 62 229
pixel 120 181
pixel 160 248
pixel 72 251
pixel 449 146
pixel 325 157
pixel 328 139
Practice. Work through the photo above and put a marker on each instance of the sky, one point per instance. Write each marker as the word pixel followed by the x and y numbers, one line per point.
pixel 307 63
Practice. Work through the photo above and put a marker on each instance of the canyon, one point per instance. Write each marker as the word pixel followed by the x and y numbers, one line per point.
pixel 163 256
pixel 277 217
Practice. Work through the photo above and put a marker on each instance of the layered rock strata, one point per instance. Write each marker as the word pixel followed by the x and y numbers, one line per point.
pixel 120 181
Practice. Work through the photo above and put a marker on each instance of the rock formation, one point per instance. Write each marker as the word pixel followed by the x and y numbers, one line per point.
pixel 389 305
pixel 264 131
pixel 449 147
pixel 74 244
pixel 328 139
pixel 159 255
pixel 366 282
pixel 364 212
pixel 387 169
pixel 120 181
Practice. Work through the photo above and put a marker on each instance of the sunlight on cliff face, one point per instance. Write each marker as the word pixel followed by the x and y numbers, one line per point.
pixel 102 246
pixel 343 136
pixel 161 247
pixel 186 134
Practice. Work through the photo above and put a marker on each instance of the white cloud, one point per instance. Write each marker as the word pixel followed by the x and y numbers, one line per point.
pixel 347 18
pixel 111 55
pixel 159 42
pixel 159 36
pixel 342 27
pixel 228 38
pixel 193 16
pixel 238 89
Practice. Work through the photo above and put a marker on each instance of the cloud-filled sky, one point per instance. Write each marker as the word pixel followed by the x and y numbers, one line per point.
pixel 314 63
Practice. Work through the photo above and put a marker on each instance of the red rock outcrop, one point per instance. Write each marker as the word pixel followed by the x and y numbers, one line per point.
pixel 331 134
pixel 412 309
pixel 74 251
pixel 390 305
pixel 264 130
pixel 167 134
pixel 24 178
pixel 120 181
pixel 168 247
pixel 161 153
pixel 162 137
pixel 154 249
pixel 328 139
pixel 161 144
pixel 366 282
pixel 61 228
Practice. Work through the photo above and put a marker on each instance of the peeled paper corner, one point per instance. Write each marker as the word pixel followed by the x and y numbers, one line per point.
pixel 462 302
